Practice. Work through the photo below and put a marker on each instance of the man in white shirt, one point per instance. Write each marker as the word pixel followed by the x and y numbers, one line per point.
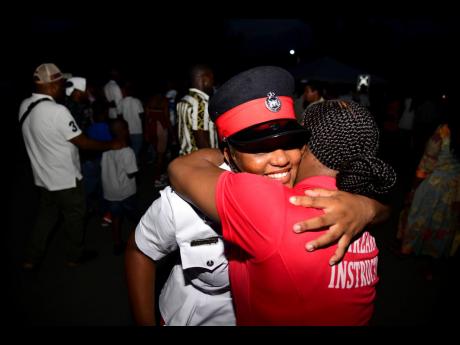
pixel 132 111
pixel 51 136
pixel 113 94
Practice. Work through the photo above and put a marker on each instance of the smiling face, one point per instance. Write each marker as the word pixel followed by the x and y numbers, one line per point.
pixel 280 165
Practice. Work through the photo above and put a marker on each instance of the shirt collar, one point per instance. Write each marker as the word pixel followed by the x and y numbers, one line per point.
pixel 201 93
pixel 42 95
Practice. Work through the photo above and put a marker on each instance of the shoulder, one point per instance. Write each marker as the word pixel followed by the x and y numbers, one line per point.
pixel 187 100
pixel 57 106
pixel 249 186
pixel 126 151
pixel 24 104
pixel 169 197
pixel 54 109
pixel 26 101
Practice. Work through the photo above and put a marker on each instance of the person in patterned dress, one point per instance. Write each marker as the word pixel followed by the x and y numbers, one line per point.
pixel 431 225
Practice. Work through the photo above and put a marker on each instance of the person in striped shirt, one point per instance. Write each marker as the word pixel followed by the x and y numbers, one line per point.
pixel 195 128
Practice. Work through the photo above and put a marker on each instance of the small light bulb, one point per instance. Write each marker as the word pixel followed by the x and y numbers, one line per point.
pixel 292 52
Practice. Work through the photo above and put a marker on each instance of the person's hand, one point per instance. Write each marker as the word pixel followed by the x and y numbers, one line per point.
pixel 345 214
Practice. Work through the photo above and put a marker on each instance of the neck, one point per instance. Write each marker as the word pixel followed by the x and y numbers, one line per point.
pixel 123 141
pixel 44 91
pixel 308 171
pixel 310 166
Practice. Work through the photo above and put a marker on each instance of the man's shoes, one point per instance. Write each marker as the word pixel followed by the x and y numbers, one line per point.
pixel 106 219
pixel 87 256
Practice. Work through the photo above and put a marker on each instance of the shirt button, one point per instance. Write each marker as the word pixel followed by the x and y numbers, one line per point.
pixel 210 263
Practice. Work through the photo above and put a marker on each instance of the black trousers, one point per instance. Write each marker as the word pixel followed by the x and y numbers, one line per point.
pixel 71 204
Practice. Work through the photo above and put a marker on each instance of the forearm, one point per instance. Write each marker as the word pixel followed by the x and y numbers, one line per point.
pixel 180 168
pixel 378 212
pixel 140 273
pixel 85 143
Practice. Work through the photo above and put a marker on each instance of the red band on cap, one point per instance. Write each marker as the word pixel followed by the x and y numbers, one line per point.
pixel 252 113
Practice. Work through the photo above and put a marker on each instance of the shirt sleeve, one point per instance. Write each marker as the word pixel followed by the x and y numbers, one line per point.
pixel 140 108
pixel 129 161
pixel 65 123
pixel 118 97
pixel 251 209
pixel 155 233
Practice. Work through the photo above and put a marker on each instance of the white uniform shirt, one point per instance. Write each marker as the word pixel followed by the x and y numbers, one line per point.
pixel 115 167
pixel 131 108
pixel 113 93
pixel 47 130
pixel 196 293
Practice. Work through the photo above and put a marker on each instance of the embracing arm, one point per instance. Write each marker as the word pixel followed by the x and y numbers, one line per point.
pixel 345 214
pixel 194 177
pixel 85 143
pixel 140 273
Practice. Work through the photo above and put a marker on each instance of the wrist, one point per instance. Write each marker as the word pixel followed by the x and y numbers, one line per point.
pixel 371 206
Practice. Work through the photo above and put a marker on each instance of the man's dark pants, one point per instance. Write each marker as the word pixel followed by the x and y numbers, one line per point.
pixel 71 204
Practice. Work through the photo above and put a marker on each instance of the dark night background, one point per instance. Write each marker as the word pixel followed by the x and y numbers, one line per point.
pixel 409 47
pixel 153 42
pixel 157 42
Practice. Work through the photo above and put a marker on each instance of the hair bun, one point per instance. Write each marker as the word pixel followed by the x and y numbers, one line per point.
pixel 366 175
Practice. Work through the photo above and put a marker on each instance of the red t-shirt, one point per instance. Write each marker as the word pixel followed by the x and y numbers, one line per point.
pixel 274 280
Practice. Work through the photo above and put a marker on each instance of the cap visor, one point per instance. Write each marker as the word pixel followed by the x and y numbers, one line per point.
pixel 271 136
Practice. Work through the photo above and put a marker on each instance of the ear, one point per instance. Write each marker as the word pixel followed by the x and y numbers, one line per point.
pixel 303 150
pixel 55 88
pixel 227 154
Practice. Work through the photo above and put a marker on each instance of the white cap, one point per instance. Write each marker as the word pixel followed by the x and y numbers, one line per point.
pixel 47 73
pixel 75 83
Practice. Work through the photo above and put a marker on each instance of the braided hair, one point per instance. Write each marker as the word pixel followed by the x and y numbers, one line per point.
pixel 345 138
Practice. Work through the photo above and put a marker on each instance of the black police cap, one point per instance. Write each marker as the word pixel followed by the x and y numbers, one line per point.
pixel 254 110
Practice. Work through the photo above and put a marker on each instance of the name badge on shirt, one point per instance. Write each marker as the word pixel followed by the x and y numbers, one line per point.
pixel 209 240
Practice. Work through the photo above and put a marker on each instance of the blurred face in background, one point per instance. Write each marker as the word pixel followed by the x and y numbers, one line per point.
pixel 311 95
pixel 208 82
pixel 79 96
